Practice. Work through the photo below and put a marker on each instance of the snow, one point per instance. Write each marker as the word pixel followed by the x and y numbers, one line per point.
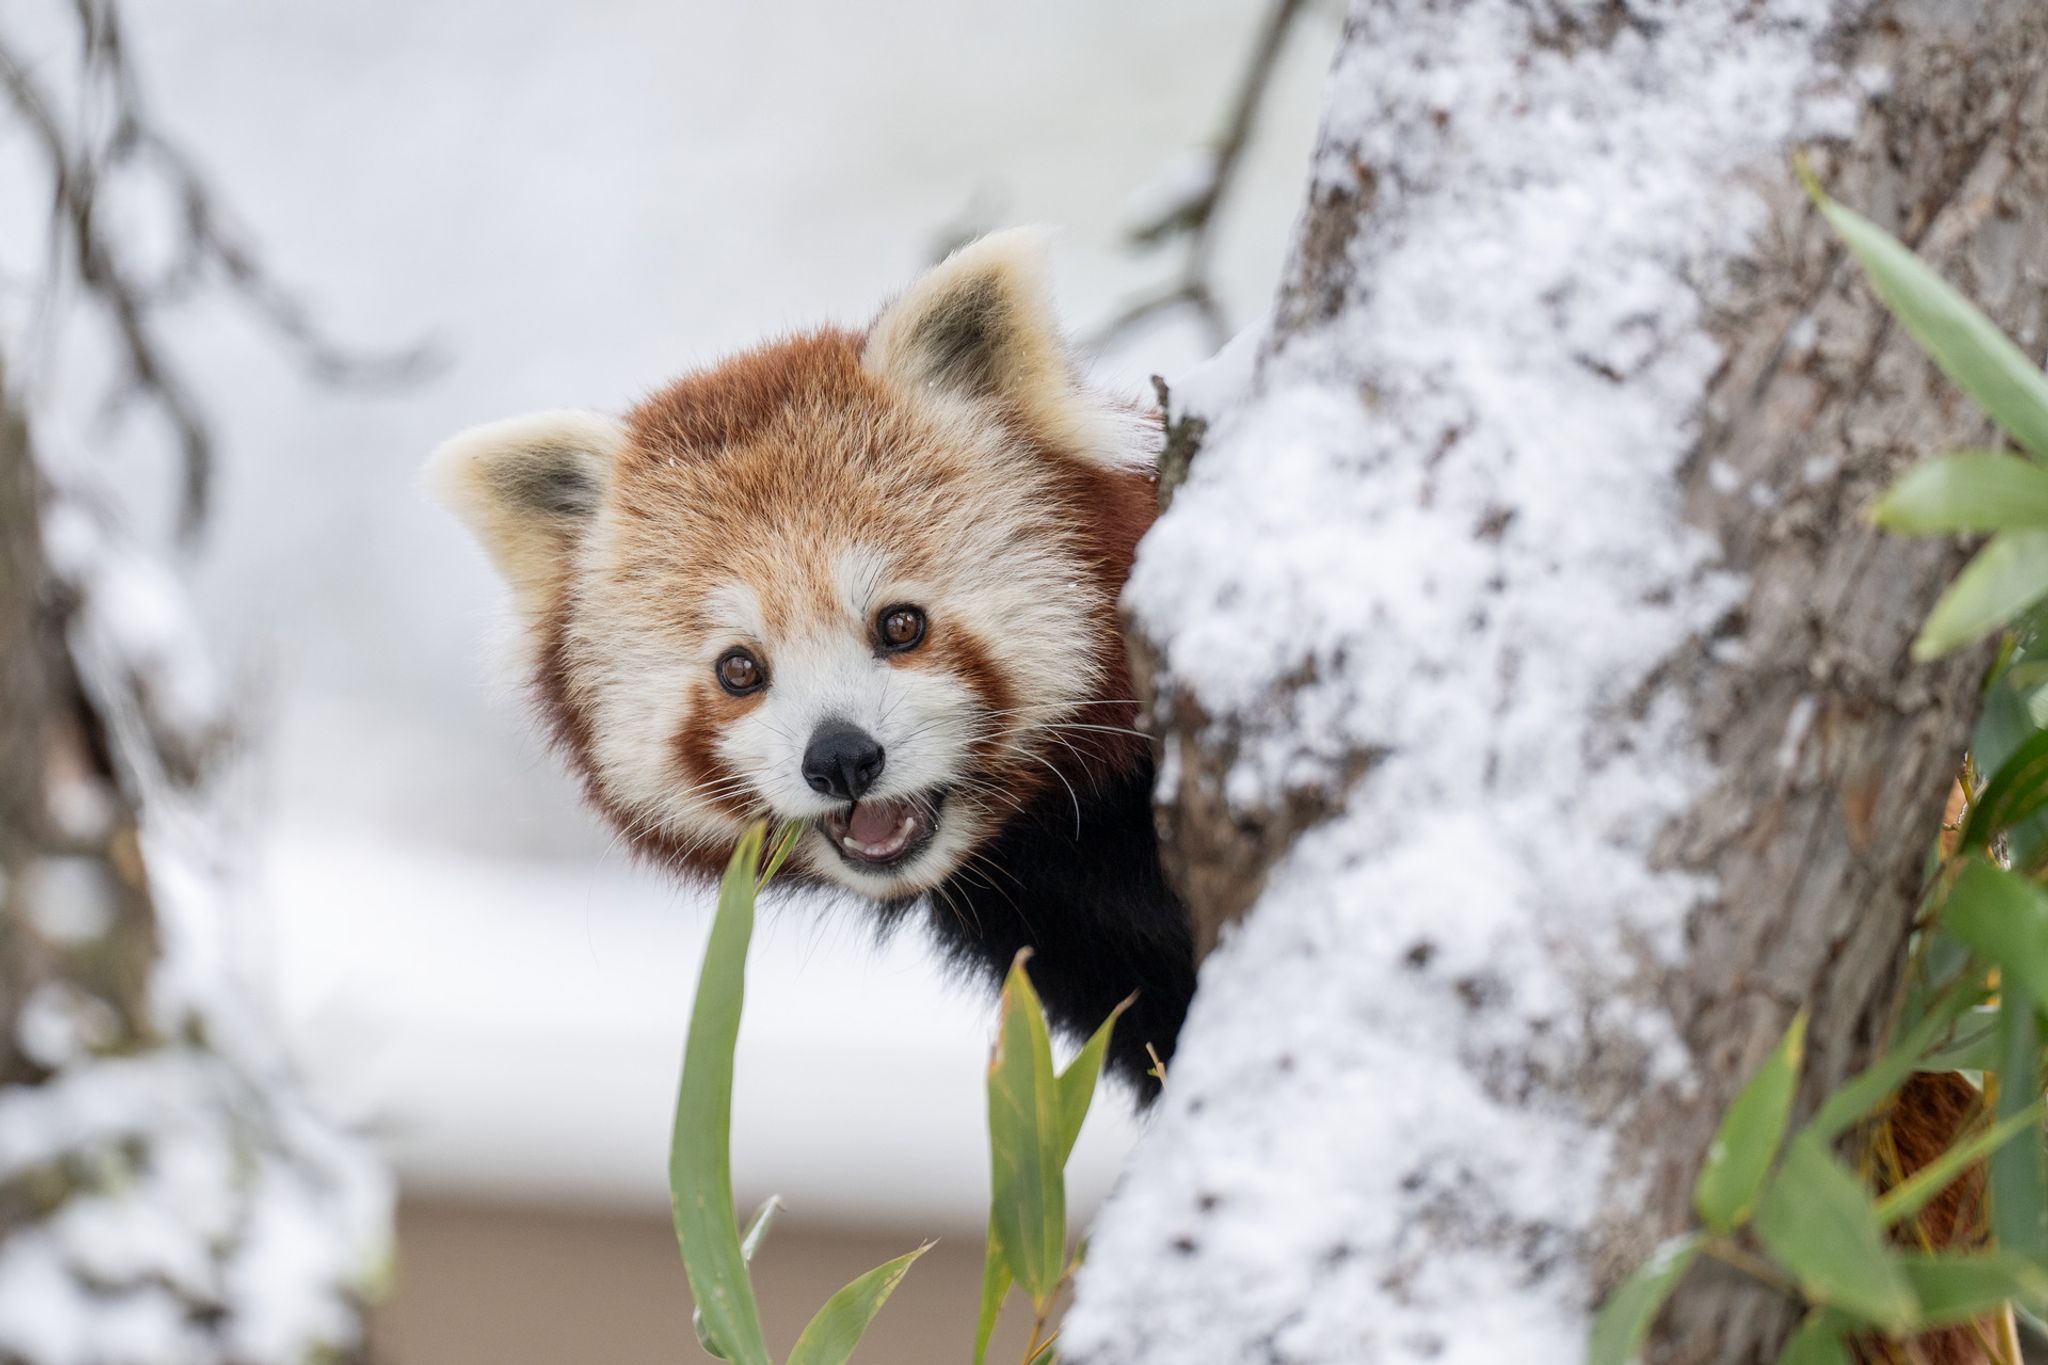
pixel 131 619
pixel 198 1189
pixel 190 1205
pixel 70 899
pixel 1441 529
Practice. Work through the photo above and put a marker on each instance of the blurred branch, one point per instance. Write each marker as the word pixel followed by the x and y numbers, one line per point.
pixel 208 249
pixel 1191 213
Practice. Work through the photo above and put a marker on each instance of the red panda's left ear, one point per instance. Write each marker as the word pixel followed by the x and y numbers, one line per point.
pixel 980 326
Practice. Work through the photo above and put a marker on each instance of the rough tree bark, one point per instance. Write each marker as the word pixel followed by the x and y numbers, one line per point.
pixel 1548 704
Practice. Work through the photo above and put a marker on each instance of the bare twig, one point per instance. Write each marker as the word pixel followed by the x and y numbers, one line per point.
pixel 81 165
pixel 1195 216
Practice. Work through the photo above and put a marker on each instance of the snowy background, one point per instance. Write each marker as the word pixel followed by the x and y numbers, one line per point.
pixel 573 203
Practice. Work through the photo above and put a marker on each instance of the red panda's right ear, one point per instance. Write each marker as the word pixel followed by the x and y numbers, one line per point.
pixel 526 488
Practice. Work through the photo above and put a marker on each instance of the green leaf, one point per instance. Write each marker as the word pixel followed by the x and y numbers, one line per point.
pixel 1915 1192
pixel 757 1233
pixel 700 1157
pixel 1740 1157
pixel 780 847
pixel 1625 1319
pixel 2017 791
pixel 1076 1087
pixel 1857 1097
pixel 2003 918
pixel 1961 1288
pixel 1077 1082
pixel 995 1287
pixel 1818 1222
pixel 2007 576
pixel 2004 727
pixel 1820 1340
pixel 831 1336
pixel 1967 345
pixel 1969 491
pixel 1028 1197
pixel 1975 1046
pixel 758 1227
pixel 2019 1170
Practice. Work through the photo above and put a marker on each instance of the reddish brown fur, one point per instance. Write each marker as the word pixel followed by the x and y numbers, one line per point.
pixel 737 423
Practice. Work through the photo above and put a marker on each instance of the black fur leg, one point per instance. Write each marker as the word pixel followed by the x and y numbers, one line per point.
pixel 1096 911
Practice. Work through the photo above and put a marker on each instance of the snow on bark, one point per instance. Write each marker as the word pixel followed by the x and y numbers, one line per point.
pixel 167 1196
pixel 1426 563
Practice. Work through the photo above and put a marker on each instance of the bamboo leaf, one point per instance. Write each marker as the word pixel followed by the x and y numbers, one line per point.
pixel 780 847
pixel 1919 1189
pixel 1625 1319
pixel 1974 1045
pixel 1967 346
pixel 700 1157
pixel 1818 1222
pixel 995 1287
pixel 1077 1082
pixel 759 1226
pixel 2003 918
pixel 830 1337
pixel 2006 577
pixel 2003 728
pixel 1857 1097
pixel 1740 1157
pixel 1970 491
pixel 2017 791
pixel 1955 1289
pixel 1076 1088
pixel 757 1232
pixel 1821 1340
pixel 2019 1170
pixel 1027 1176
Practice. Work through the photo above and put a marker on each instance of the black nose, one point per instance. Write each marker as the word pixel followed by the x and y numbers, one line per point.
pixel 842 760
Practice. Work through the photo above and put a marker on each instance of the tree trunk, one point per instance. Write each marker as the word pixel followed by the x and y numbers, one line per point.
pixel 1529 673
pixel 67 834
pixel 165 1194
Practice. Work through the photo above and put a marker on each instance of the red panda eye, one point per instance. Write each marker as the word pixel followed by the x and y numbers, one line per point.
pixel 900 628
pixel 740 673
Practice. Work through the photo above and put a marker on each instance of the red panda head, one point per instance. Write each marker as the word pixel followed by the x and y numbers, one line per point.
pixel 865 580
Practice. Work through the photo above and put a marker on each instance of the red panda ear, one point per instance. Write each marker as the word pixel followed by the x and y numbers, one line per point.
pixel 980 326
pixel 526 488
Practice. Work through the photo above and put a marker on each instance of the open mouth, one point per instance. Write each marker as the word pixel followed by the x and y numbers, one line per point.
pixel 880 834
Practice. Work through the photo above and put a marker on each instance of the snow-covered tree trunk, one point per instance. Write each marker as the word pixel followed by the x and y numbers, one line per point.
pixel 1529 678
pixel 48 747
pixel 166 1197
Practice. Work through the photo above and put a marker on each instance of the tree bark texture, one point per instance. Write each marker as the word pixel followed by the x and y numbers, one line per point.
pixel 62 811
pixel 1821 862
pixel 1824 753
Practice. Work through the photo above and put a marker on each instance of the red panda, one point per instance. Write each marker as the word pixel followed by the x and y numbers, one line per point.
pixel 867 580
